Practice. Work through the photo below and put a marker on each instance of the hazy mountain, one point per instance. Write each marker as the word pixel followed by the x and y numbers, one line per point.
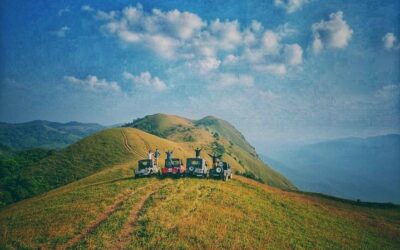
pixel 44 134
pixel 356 168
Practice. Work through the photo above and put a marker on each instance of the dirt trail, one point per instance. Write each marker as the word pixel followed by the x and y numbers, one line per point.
pixel 146 144
pixel 126 144
pixel 126 232
pixel 128 147
pixel 121 198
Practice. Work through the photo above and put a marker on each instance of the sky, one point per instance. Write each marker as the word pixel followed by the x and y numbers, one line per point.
pixel 281 71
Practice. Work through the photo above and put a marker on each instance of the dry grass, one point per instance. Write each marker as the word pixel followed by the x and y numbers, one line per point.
pixel 197 214
pixel 190 213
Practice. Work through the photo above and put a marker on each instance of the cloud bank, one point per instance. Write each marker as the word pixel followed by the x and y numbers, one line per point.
pixel 204 46
pixel 145 79
pixel 61 32
pixel 94 83
pixel 290 5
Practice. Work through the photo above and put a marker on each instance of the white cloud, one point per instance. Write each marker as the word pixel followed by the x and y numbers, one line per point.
pixel 270 41
pixel 290 5
pixel 293 54
pixel 63 11
pixel 204 65
pixel 286 30
pixel 94 83
pixel 275 68
pixel 390 91
pixel 101 15
pixel 230 59
pixel 223 80
pixel 389 41
pixel 317 45
pixel 268 95
pixel 160 31
pixel 87 8
pixel 147 80
pixel 182 24
pixel 225 35
pixel 253 56
pixel 203 46
pixel 162 45
pixel 208 64
pixel 256 26
pixel 335 33
pixel 61 32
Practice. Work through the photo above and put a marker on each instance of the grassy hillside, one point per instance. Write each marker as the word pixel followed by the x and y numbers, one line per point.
pixel 90 155
pixel 110 209
pixel 82 159
pixel 226 130
pixel 213 134
pixel 44 134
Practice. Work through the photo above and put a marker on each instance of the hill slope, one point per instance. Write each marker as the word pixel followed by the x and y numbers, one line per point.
pixel 82 159
pixel 366 169
pixel 213 134
pixel 110 209
pixel 44 134
pixel 107 148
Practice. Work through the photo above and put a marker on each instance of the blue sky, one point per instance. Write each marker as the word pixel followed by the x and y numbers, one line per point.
pixel 282 71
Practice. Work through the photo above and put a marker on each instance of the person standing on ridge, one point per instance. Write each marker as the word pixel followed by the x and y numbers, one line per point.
pixel 150 155
pixel 169 156
pixel 198 150
pixel 215 158
pixel 156 155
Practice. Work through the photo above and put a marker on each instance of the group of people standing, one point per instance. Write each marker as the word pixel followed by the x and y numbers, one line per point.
pixel 156 154
pixel 215 158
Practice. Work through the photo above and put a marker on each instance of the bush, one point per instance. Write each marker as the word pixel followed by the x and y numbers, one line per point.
pixel 14 187
pixel 218 148
pixel 250 175
pixel 188 138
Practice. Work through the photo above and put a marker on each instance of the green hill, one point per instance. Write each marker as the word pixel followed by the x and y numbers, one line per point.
pixel 213 134
pixel 61 167
pixel 119 145
pixel 44 134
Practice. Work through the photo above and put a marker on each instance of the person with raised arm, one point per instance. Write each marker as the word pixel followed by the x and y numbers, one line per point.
pixel 215 158
pixel 198 150
pixel 169 156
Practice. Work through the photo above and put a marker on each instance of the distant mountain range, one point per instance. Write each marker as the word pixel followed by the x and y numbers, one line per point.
pixel 366 169
pixel 44 134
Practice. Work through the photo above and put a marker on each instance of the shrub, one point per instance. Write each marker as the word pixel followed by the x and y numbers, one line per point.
pixel 250 175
